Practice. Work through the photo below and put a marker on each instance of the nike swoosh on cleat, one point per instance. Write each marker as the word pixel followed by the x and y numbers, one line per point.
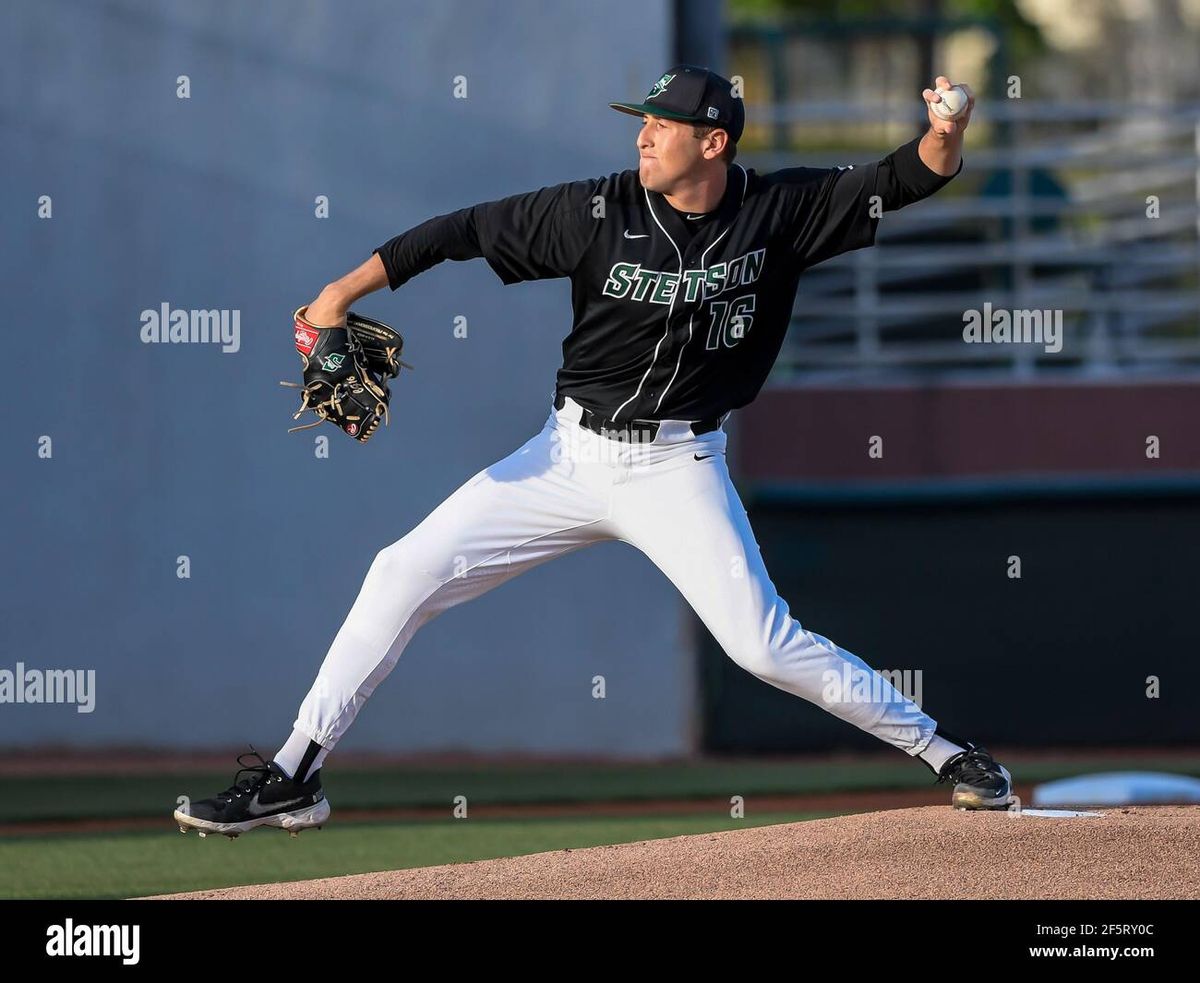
pixel 255 808
pixel 643 235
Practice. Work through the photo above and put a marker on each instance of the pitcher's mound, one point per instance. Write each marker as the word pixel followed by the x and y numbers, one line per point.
pixel 931 852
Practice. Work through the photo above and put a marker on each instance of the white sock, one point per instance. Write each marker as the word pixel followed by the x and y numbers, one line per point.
pixel 939 752
pixel 292 753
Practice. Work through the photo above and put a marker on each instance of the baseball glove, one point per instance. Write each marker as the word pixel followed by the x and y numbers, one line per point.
pixel 346 373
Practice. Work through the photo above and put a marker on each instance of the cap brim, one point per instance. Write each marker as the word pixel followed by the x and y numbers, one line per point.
pixel 649 109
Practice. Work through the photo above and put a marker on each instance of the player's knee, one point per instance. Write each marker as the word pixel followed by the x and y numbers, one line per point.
pixel 392 561
pixel 409 565
pixel 760 660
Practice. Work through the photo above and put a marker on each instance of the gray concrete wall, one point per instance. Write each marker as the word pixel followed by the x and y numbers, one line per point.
pixel 160 451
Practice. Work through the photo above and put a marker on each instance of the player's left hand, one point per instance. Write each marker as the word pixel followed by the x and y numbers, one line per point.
pixel 346 372
pixel 948 127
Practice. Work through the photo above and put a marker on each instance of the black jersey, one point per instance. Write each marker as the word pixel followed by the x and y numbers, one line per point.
pixel 675 317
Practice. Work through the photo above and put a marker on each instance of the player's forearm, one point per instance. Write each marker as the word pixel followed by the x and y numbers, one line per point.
pixel 904 176
pixel 925 165
pixel 941 152
pixel 334 301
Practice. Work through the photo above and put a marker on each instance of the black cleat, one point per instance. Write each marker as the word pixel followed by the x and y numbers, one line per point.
pixel 267 797
pixel 980 782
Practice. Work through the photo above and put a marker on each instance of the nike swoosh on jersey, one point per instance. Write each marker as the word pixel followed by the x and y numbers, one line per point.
pixel 643 235
pixel 704 457
pixel 255 808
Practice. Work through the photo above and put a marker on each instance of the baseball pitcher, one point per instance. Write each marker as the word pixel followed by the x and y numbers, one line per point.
pixel 684 272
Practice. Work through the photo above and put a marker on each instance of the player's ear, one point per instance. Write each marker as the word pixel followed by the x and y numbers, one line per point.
pixel 715 144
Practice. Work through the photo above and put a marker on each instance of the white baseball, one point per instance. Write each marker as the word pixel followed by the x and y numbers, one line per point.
pixel 953 104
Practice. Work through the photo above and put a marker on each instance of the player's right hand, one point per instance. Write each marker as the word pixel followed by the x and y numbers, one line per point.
pixel 948 127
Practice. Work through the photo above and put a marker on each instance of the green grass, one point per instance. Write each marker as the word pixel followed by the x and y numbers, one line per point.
pixel 134 864
pixel 93 865
pixel 30 799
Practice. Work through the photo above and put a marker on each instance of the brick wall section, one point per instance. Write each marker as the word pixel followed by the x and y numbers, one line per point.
pixel 928 432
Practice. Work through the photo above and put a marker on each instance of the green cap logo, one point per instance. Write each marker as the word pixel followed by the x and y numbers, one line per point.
pixel 660 86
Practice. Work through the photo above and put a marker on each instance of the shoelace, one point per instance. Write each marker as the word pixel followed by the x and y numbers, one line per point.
pixel 244 786
pixel 975 764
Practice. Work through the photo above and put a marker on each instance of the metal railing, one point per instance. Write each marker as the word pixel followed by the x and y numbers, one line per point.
pixel 1054 216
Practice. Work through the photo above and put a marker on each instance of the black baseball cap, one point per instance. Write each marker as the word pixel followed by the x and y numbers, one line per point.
pixel 694 95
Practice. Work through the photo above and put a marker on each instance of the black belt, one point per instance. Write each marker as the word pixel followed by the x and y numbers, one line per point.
pixel 646 430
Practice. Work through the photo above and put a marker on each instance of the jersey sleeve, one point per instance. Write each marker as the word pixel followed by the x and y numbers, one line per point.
pixel 451 236
pixel 539 235
pixel 830 211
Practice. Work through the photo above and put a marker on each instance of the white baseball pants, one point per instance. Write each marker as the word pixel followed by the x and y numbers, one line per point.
pixel 567 488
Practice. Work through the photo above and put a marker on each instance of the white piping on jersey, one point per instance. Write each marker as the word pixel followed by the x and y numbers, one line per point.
pixel 692 317
pixel 671 307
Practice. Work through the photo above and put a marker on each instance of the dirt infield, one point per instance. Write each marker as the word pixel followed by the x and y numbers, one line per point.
pixel 929 852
